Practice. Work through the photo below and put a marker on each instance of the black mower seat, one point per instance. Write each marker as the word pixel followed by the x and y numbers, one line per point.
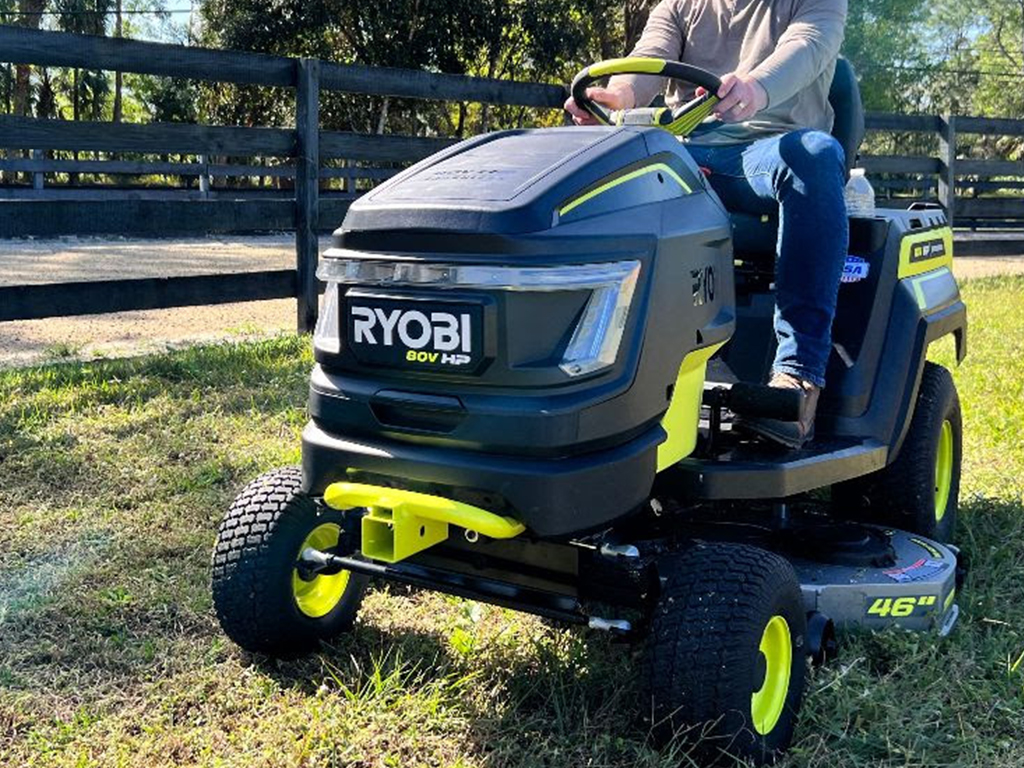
pixel 756 235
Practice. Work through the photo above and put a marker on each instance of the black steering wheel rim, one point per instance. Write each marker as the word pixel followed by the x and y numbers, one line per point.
pixel 675 70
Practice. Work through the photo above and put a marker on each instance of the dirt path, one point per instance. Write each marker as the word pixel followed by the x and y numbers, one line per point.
pixel 123 333
pixel 988 266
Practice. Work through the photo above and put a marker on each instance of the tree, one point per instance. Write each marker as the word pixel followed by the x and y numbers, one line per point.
pixel 118 109
pixel 521 39
pixel 884 44
pixel 1000 57
pixel 166 99
pixel 89 88
pixel 7 71
pixel 30 14
pixel 1001 54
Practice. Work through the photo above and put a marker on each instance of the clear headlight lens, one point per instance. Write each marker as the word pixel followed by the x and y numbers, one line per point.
pixel 595 340
pixel 326 336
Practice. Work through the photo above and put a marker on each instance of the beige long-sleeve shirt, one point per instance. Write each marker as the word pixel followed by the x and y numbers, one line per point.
pixel 790 46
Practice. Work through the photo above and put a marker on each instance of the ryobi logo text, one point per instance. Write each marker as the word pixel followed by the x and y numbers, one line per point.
pixel 436 337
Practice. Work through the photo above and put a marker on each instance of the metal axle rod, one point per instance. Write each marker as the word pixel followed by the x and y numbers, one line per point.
pixel 555 607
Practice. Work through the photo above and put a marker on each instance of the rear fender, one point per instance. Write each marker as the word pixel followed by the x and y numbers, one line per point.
pixel 934 298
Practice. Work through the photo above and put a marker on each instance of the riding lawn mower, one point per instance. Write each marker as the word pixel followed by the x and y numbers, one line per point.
pixel 532 351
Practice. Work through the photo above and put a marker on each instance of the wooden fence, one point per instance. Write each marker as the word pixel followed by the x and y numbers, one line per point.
pixel 976 193
pixel 41 211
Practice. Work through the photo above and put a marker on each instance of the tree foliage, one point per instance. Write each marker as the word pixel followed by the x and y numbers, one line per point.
pixel 911 55
pixel 1000 50
pixel 883 43
pixel 88 89
pixel 511 39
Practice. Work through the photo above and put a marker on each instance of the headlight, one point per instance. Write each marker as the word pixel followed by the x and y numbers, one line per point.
pixel 326 336
pixel 595 340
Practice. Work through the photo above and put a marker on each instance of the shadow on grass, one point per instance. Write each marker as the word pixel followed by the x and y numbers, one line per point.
pixel 990 532
pixel 573 694
pixel 134 454
pixel 549 692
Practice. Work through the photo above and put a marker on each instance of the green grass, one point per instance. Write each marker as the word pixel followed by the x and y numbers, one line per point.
pixel 113 476
pixel 62 350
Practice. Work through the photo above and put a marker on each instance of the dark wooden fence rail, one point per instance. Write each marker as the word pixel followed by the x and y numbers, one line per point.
pixel 304 149
pixel 306 159
pixel 975 193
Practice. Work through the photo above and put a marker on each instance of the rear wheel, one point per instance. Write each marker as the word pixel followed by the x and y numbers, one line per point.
pixel 263 602
pixel 920 491
pixel 725 660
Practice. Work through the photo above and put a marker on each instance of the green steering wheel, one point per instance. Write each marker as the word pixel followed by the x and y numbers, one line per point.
pixel 679 121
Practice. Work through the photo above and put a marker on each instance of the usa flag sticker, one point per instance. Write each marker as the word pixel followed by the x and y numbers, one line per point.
pixel 855 269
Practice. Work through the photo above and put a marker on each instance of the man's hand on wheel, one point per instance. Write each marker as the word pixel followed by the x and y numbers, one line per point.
pixel 616 95
pixel 741 97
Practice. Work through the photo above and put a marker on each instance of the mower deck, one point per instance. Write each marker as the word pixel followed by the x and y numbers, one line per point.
pixel 917 590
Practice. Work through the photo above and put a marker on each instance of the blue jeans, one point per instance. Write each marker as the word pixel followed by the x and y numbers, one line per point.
pixel 801 175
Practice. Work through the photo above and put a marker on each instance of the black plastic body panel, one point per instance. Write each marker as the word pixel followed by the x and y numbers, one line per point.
pixel 562 453
pixel 573 454
pixel 880 336
pixel 553 498
pixel 509 182
pixel 759 472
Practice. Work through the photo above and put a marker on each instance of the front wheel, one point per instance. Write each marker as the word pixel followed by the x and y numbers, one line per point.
pixel 726 657
pixel 263 602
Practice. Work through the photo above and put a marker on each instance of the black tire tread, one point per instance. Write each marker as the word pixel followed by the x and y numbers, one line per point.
pixel 713 595
pixel 246 557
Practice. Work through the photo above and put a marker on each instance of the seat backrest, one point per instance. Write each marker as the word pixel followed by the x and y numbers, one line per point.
pixel 844 96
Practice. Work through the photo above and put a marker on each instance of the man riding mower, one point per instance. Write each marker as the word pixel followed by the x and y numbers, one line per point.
pixel 533 351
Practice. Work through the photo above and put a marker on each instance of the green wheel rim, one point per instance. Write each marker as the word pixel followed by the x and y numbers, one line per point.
pixel 767 703
pixel 943 470
pixel 320 595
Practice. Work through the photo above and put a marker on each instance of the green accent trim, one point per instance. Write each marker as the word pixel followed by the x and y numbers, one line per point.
pixel 602 119
pixel 943 470
pixel 628 65
pixel 653 168
pixel 768 702
pixel 398 523
pixel 913 263
pixel 683 415
pixel 949 599
pixel 918 285
pixel 922 302
pixel 318 596
pixel 688 122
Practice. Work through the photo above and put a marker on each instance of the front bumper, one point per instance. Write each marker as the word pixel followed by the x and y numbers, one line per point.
pixel 552 497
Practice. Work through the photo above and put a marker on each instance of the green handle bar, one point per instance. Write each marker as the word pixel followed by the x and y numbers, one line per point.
pixel 679 121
